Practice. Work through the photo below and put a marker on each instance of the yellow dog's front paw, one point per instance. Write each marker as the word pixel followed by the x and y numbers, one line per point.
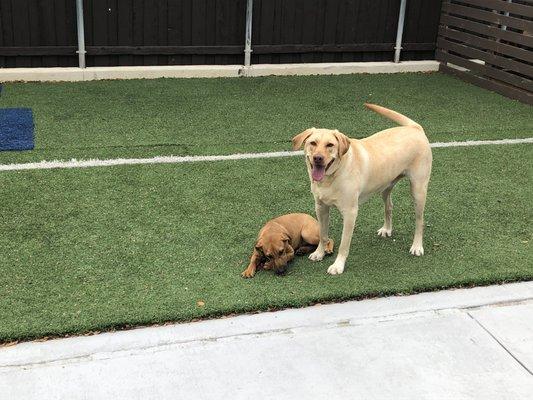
pixel 417 250
pixel 317 255
pixel 336 268
pixel 384 232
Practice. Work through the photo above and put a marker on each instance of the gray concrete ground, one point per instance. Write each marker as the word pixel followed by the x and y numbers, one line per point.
pixel 455 344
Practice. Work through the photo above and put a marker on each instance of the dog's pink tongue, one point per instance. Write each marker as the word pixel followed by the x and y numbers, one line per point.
pixel 318 172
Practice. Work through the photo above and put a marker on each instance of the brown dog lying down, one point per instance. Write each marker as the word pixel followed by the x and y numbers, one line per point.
pixel 280 239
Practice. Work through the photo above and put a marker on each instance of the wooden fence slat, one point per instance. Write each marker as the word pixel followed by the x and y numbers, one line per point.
pixel 487 30
pixel 164 50
pixel 210 50
pixel 12 51
pixel 485 70
pixel 488 44
pixel 506 90
pixel 488 16
pixel 507 64
pixel 124 29
pixel 499 5
pixel 339 48
pixel 504 62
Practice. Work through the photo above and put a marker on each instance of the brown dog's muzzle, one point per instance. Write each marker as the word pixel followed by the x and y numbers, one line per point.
pixel 278 265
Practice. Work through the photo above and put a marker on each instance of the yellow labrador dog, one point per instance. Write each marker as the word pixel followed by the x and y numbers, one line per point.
pixel 345 172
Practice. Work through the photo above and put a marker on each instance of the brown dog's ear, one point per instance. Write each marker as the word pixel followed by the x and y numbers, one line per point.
pixel 300 138
pixel 344 142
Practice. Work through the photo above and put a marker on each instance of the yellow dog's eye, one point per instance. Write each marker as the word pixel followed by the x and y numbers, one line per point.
pixel 313 143
pixel 329 145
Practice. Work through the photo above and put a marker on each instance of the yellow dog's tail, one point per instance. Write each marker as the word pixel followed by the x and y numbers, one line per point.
pixel 393 115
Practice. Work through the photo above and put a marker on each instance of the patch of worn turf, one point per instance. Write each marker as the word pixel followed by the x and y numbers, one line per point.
pixel 136 118
pixel 97 249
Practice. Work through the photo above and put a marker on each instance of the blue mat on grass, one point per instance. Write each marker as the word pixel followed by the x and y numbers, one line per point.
pixel 16 129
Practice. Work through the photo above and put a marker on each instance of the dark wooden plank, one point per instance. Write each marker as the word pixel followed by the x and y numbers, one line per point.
pixel 499 5
pixel 64 25
pixel 209 27
pixel 197 28
pixel 162 29
pixel 339 48
pixel 351 32
pixel 263 28
pixel 138 28
pixel 174 34
pixel 47 30
pixel 277 33
pixel 164 50
pixel 221 33
pixel 288 27
pixel 425 29
pixel 89 28
pixel 339 28
pixel 150 28
pixel 37 37
pixel 7 23
pixel 414 14
pixel 382 29
pixel 488 44
pixel 487 30
pixel 486 70
pixel 330 26
pixel 491 58
pixel 224 50
pixel 238 32
pixel 321 31
pixel 66 30
pixel 100 32
pixel 2 59
pixel 186 29
pixel 21 29
pixel 112 28
pixel 489 16
pixel 309 27
pixel 506 90
pixel 14 51
pixel 124 30
pixel 389 31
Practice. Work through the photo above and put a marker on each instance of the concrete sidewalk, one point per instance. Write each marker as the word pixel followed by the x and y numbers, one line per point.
pixel 455 344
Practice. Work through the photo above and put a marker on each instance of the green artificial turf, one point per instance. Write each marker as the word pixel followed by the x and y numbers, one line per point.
pixel 94 249
pixel 142 118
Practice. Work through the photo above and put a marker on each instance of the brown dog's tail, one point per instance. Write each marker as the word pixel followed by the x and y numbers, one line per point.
pixel 393 115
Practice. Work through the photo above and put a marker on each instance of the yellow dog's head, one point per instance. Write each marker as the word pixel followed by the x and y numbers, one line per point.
pixel 323 150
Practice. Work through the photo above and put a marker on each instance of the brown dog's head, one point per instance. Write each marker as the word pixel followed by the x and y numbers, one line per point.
pixel 273 247
pixel 323 147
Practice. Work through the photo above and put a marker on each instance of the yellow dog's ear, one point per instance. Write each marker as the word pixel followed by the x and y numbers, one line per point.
pixel 344 142
pixel 300 138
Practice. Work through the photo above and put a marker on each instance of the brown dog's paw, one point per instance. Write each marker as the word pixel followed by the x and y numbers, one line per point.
pixel 329 247
pixel 248 273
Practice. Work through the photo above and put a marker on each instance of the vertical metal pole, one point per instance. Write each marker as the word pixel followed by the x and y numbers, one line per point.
pixel 81 33
pixel 248 38
pixel 399 32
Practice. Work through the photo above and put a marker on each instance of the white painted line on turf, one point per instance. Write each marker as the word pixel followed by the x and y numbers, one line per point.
pixel 231 157
pixel 482 142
